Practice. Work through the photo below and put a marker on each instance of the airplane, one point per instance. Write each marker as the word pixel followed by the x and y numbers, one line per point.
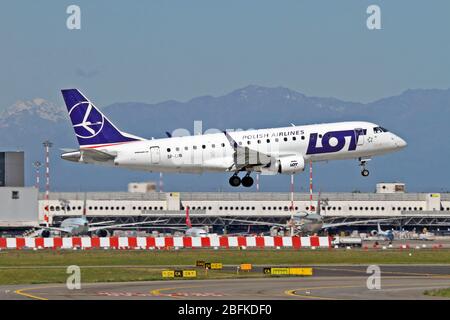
pixel 267 151
pixel 387 235
pixel 81 226
pixel 193 231
pixel 305 223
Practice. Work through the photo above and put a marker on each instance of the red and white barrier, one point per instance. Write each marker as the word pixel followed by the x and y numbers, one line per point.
pixel 164 242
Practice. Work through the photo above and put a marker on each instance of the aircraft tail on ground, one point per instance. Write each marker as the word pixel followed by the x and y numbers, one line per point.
pixel 91 126
pixel 188 220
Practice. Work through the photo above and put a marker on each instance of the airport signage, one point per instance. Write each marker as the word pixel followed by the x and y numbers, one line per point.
pixel 288 271
pixel 246 266
pixel 216 266
pixel 168 274
pixel 200 263
pixel 179 274
pixel 189 274
pixel 213 265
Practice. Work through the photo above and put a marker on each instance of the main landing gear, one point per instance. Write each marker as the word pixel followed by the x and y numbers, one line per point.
pixel 362 164
pixel 246 181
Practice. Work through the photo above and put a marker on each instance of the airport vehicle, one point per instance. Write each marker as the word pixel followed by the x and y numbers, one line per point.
pixel 387 235
pixel 346 241
pixel 267 151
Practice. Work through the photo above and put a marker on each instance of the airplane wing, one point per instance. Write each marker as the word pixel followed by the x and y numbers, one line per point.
pixel 245 157
pixel 124 225
pixel 101 223
pixel 256 222
pixel 333 225
pixel 54 229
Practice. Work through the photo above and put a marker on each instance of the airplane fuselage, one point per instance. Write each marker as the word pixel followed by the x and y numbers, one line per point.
pixel 217 152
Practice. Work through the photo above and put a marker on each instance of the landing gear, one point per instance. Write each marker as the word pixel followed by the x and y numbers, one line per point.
pixel 235 181
pixel 247 181
pixel 362 164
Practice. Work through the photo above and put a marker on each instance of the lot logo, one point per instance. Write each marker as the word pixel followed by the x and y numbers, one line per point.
pixel 87 120
pixel 334 141
pixel 293 164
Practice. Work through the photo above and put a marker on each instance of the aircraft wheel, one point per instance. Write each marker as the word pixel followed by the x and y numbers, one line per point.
pixel 365 173
pixel 235 181
pixel 247 181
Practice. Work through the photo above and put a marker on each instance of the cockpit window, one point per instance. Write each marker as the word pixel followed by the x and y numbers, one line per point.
pixel 379 130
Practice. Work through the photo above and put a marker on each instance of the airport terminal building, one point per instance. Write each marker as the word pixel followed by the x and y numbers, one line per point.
pixel 210 208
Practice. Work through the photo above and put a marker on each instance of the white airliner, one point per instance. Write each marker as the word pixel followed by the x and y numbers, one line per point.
pixel 267 151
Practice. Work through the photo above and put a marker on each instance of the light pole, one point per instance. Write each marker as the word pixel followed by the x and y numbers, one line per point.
pixel 47 145
pixel 37 165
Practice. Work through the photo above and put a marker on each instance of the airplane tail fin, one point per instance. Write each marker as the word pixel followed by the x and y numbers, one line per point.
pixel 379 228
pixel 91 126
pixel 188 220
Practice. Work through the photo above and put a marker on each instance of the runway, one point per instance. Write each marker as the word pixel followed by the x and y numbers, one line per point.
pixel 329 282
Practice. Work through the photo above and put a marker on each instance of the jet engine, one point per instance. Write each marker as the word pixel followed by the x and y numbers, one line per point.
pixel 102 233
pixel 288 164
pixel 45 233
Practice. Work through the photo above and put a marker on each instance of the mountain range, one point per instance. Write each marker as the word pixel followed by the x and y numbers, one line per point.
pixel 419 116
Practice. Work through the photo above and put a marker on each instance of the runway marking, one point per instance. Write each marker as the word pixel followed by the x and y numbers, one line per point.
pixel 157 292
pixel 22 293
pixel 431 275
pixel 293 292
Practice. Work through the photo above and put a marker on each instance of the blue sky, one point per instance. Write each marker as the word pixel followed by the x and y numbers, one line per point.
pixel 152 51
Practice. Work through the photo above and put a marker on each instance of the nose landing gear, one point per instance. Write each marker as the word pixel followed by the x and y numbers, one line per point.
pixel 362 164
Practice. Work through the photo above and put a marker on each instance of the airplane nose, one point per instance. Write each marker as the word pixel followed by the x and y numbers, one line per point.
pixel 400 143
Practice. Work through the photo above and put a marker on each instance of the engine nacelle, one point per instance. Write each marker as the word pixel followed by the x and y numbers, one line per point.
pixel 45 233
pixel 102 233
pixel 289 164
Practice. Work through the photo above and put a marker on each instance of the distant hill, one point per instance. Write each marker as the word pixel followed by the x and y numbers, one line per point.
pixel 419 116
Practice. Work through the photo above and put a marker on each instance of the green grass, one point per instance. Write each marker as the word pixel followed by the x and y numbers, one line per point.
pixel 438 293
pixel 30 267
pixel 59 275
pixel 189 257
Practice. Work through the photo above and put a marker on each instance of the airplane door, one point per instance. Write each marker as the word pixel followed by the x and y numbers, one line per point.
pixel 359 136
pixel 155 155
